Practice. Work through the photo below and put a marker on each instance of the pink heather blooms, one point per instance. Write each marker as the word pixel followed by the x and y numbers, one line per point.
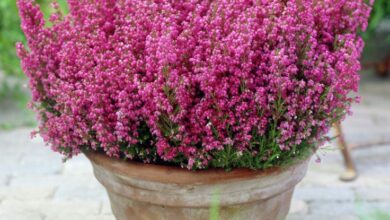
pixel 199 75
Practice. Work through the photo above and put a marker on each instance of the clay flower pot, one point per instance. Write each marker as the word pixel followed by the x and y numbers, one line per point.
pixel 152 192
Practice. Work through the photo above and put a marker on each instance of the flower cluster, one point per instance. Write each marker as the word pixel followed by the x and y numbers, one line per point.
pixel 196 83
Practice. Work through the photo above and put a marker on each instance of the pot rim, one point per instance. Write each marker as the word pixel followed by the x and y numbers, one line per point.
pixel 181 176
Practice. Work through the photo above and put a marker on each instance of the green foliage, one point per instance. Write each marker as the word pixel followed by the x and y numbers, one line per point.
pixel 141 150
pixel 380 11
pixel 10 34
pixel 274 157
pixel 269 154
pixel 264 150
pixel 11 75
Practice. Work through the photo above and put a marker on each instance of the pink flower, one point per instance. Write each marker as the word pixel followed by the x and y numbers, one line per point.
pixel 186 79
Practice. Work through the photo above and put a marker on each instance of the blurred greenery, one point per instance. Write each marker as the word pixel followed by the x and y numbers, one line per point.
pixel 380 11
pixel 10 34
pixel 377 214
pixel 12 92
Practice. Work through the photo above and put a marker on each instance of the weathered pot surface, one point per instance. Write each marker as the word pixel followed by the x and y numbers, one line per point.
pixel 153 192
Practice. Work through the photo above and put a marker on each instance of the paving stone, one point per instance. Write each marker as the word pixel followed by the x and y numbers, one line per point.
pixel 51 208
pixel 322 217
pixel 374 101
pixel 333 208
pixel 38 165
pixel 324 194
pixel 375 170
pixel 78 165
pixel 4 179
pixel 9 162
pixel 52 181
pixel 377 89
pixel 318 179
pixel 369 180
pixel 380 116
pixel 22 216
pixel 40 150
pixel 15 141
pixel 359 120
pixel 298 207
pixel 80 188
pixel 370 122
pixel 106 208
pixel 373 193
pixel 26 193
pixel 68 187
pixel 366 139
pixel 80 217
pixel 373 154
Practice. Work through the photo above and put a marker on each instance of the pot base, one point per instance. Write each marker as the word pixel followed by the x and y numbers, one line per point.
pixel 275 208
pixel 152 192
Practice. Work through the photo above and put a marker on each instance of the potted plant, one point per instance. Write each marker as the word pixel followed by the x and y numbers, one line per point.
pixel 176 102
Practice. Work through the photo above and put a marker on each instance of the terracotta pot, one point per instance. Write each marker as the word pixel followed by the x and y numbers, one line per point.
pixel 152 192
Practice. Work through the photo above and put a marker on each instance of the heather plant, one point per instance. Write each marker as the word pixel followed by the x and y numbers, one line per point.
pixel 196 84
